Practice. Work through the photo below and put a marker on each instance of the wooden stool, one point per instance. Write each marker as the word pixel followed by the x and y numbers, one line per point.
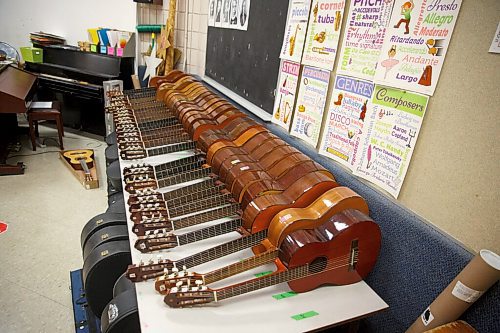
pixel 53 113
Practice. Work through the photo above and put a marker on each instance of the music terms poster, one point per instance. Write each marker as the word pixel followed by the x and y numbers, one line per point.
pixel 364 33
pixel 323 33
pixel 295 30
pixel 286 93
pixel 415 44
pixel 311 100
pixel 392 123
pixel 345 120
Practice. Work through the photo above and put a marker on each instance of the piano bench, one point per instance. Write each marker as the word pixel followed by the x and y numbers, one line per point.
pixel 54 113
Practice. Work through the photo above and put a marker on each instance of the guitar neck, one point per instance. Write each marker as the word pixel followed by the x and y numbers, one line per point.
pixel 185 190
pixel 196 164
pixel 242 266
pixel 222 250
pixel 177 163
pixel 199 205
pixel 211 215
pixel 209 232
pixel 263 282
pixel 185 177
pixel 194 196
pixel 172 148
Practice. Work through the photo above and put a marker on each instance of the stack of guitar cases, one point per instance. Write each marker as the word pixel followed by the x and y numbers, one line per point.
pixel 106 256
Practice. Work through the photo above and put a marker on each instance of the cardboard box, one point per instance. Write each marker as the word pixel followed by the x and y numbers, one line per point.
pixel 87 182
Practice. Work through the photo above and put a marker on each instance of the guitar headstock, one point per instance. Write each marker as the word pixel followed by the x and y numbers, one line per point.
pixel 155 241
pixel 151 223
pixel 149 270
pixel 138 169
pixel 177 279
pixel 189 296
pixel 139 183
pixel 136 200
pixel 139 216
pixel 133 152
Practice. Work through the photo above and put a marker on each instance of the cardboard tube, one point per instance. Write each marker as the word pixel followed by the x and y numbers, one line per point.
pixel 475 279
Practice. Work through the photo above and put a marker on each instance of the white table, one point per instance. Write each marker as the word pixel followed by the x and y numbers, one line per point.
pixel 254 312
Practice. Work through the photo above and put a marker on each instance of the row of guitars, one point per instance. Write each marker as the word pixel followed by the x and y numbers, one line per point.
pixel 286 207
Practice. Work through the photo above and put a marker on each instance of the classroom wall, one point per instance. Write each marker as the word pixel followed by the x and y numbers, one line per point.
pixel 454 178
pixel 69 19
pixel 193 44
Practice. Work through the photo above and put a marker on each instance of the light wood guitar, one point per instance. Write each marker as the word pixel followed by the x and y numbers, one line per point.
pixel 81 159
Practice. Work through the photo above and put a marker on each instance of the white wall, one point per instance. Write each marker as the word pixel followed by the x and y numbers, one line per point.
pixel 196 43
pixel 67 18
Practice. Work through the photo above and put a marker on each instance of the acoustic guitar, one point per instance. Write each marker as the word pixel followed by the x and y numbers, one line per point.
pixel 81 159
pixel 342 250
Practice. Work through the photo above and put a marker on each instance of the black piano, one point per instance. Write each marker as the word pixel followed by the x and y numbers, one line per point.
pixel 75 79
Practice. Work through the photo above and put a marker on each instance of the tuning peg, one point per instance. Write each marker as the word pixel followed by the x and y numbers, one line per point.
pixel 174 290
pixel 165 271
pixel 151 261
pixel 141 263
pixel 184 268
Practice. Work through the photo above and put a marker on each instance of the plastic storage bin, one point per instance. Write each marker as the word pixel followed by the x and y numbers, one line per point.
pixel 32 54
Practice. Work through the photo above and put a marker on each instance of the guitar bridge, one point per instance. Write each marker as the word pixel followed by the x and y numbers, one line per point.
pixel 353 255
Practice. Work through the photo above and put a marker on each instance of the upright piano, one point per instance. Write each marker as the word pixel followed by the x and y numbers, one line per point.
pixel 17 88
pixel 75 78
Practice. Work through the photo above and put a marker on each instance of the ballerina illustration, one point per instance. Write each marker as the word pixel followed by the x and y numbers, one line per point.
pixel 390 62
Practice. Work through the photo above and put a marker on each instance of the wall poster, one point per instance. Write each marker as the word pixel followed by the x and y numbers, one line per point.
pixel 363 37
pixel 325 22
pixel 311 99
pixel 415 44
pixel 344 124
pixel 392 126
pixel 232 14
pixel 285 97
pixel 295 31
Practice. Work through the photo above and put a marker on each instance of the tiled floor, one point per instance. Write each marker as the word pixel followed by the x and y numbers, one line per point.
pixel 45 209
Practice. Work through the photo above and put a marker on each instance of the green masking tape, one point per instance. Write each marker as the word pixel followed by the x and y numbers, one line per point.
pixel 305 315
pixel 285 295
pixel 263 273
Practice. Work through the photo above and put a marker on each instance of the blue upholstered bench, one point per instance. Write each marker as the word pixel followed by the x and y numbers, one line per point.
pixel 416 263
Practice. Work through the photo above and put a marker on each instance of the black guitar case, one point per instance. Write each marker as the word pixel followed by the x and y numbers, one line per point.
pixel 115 197
pixel 111 153
pixel 115 175
pixel 121 314
pixel 117 207
pixel 122 284
pixel 106 234
pixel 100 221
pixel 103 267
pixel 111 139
pixel 112 190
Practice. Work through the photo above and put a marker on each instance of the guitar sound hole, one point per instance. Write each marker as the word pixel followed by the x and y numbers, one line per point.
pixel 318 265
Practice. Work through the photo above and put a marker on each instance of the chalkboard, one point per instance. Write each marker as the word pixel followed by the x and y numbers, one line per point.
pixel 247 62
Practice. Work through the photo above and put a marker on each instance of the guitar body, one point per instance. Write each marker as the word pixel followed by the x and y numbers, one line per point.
pixel 230 132
pixel 224 120
pixel 323 208
pixel 261 152
pixel 75 156
pixel 329 251
pixel 238 142
pixel 280 184
pixel 258 214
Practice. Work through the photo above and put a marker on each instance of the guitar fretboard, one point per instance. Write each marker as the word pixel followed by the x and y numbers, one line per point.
pixel 171 148
pixel 242 266
pixel 214 214
pixel 158 124
pixel 193 196
pixel 179 169
pixel 185 177
pixel 207 183
pixel 222 250
pixel 263 282
pixel 177 163
pixel 208 232
pixel 199 205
